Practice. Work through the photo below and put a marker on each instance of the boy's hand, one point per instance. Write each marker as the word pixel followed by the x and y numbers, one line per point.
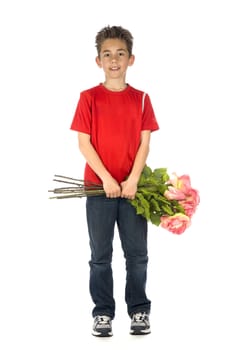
pixel 111 188
pixel 128 189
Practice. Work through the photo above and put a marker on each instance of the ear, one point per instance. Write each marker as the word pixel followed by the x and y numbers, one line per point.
pixel 98 61
pixel 131 60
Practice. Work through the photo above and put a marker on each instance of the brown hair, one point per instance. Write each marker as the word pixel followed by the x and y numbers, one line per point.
pixel 114 32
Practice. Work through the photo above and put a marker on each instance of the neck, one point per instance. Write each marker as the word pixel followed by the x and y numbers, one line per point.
pixel 115 87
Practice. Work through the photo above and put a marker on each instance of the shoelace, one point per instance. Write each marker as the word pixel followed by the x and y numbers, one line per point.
pixel 103 319
pixel 139 317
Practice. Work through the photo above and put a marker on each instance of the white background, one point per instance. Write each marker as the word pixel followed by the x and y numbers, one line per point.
pixel 184 61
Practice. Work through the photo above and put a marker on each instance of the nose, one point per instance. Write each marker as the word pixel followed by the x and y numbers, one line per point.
pixel 114 58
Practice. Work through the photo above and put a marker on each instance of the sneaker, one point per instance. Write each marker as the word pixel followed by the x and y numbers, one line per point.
pixel 140 324
pixel 102 326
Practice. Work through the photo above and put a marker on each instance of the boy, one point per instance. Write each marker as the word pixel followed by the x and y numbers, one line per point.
pixel 114 122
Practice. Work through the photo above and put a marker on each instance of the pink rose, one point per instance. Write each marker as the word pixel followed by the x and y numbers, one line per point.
pixel 177 223
pixel 173 193
pixel 191 202
pixel 181 183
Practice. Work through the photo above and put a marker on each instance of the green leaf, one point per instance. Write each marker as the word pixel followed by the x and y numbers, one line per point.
pixel 168 210
pixel 154 205
pixel 140 210
pixel 161 174
pixel 144 204
pixel 147 171
pixel 155 219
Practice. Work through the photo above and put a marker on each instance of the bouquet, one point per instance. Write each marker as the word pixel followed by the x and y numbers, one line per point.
pixel 165 201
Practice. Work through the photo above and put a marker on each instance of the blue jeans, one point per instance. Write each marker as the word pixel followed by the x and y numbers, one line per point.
pixel 102 215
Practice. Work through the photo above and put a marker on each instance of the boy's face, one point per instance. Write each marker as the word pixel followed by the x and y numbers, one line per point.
pixel 114 58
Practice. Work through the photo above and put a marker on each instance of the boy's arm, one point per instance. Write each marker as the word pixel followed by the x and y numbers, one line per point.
pixel 110 185
pixel 129 187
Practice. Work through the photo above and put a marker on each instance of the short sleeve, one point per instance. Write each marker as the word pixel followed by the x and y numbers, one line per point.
pixel 149 121
pixel 82 117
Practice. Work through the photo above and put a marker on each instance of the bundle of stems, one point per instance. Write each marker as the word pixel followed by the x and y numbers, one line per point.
pixel 80 189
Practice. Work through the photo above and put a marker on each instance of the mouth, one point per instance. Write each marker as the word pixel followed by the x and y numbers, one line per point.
pixel 114 69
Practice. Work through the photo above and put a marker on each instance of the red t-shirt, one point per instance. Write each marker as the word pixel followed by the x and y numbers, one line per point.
pixel 114 121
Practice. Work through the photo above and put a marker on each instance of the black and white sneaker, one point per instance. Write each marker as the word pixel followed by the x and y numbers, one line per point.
pixel 140 324
pixel 102 326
